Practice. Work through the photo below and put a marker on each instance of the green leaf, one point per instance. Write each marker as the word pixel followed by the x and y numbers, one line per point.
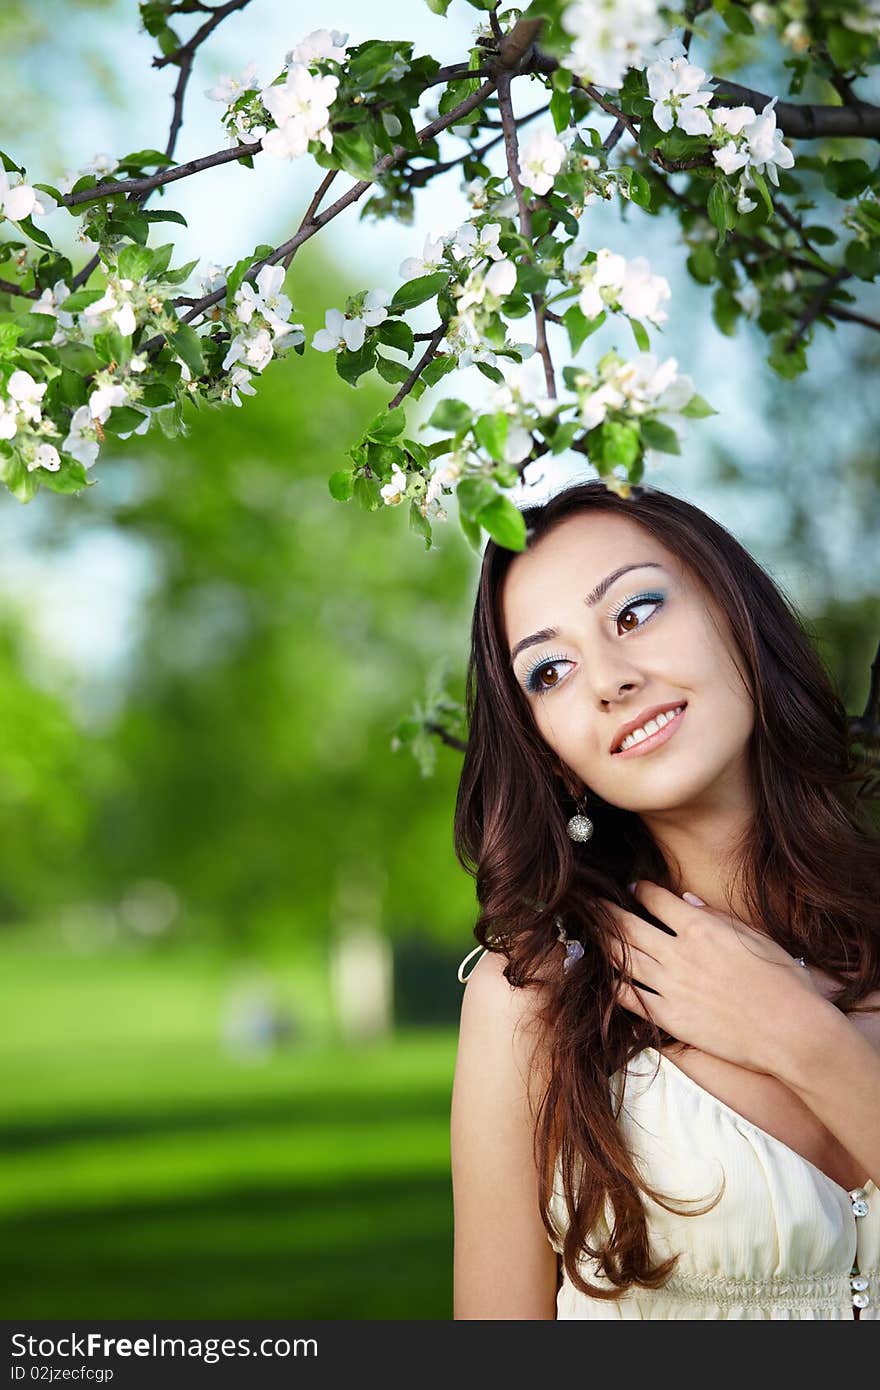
pixel 341 485
pixel 352 365
pixel 643 342
pixel 180 273
pixel 451 415
pixel 438 367
pixel 787 364
pixel 560 110
pixel 419 290
pixel 366 493
pixel 392 371
pixel 656 435
pixel 168 215
pixel 145 159
pixel 505 523
pixel 111 346
pixel 491 433
pixel 26 225
pixel 492 373
pixel 697 408
pixel 761 184
pixel 474 494
pixel 438 6
pixel 388 424
pixel 579 327
pixel 81 299
pixel 736 18
pixel 862 260
pixel 37 328
pixel 397 334
pixel 188 346
pixel 719 206
pixel 640 190
pixel 565 436
pixel 122 419
pixel 71 477
pixel 847 177
pixel 353 152
pixel 134 261
pixel 618 443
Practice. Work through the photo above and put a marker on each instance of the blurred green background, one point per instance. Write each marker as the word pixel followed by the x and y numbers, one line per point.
pixel 230 913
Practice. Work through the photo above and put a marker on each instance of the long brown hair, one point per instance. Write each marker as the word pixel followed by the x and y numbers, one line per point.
pixel 808 868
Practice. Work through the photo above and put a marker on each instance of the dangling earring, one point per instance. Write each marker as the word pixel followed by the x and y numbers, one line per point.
pixel 580 827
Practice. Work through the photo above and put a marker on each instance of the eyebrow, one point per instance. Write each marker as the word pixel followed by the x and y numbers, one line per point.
pixel 591 599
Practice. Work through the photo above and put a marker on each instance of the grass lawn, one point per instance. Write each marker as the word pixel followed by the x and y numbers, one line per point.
pixel 145 1173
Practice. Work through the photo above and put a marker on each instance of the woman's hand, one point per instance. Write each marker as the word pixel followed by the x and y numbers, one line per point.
pixel 720 985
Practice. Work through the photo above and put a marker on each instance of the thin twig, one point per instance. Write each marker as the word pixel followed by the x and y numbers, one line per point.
pixel 814 307
pixel 445 737
pixel 422 176
pixel 112 189
pixel 511 147
pixel 426 357
pixel 184 57
pixel 837 311
pixel 9 287
pixel 313 206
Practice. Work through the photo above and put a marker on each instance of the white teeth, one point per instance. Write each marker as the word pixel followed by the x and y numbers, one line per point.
pixel 639 735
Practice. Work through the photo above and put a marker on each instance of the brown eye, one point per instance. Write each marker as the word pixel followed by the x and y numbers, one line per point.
pixel 548 685
pixel 631 613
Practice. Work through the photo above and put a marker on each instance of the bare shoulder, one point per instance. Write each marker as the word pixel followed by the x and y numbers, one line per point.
pixel 499 1016
pixel 505 1266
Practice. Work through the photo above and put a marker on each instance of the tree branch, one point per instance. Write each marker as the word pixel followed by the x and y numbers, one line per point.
pixel 286 251
pixel 420 366
pixel 446 737
pixel 866 726
pixel 804 122
pixel 511 146
pixel 9 287
pixel 313 206
pixel 814 306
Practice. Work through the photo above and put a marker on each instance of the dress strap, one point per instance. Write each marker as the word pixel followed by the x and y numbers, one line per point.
pixel 463 979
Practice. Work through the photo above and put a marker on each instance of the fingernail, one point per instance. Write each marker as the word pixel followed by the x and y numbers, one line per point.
pixel 632 886
pixel 692 898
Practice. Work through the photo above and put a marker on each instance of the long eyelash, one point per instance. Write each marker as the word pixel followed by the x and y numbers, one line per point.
pixel 553 657
pixel 631 603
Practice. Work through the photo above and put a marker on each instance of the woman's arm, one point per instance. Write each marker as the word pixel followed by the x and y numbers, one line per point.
pixel 835 1069
pixel 504 1264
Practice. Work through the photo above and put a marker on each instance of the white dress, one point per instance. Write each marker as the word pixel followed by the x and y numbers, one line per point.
pixel 784 1241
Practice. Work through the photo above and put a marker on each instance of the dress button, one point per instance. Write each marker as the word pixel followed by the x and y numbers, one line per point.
pixel 860 1300
pixel 859 1283
pixel 860 1207
pixel 856 1193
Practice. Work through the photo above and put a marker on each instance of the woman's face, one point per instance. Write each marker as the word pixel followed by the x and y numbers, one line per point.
pixel 646 639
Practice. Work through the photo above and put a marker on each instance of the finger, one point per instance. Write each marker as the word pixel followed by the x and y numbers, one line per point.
pixel 663 904
pixel 629 998
pixel 631 960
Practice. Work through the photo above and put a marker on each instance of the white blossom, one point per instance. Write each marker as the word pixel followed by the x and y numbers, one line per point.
pixel 45 456
pixel 320 46
pixel 766 147
pixel 104 399
pixel 642 292
pixel 50 302
pixel 464 340
pixel 393 492
pixel 229 89
pixel 8 420
pixel 541 160
pixel 17 201
pixel 349 330
pixel 300 107
pixel 254 350
pixel 469 242
pixel 82 438
pixel 430 260
pixel 120 311
pixel 638 387
pixel 610 36
pixel 240 381
pixel 101 166
pixel 27 395
pixel 676 88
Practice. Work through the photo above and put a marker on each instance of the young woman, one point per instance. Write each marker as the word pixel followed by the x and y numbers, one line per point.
pixel 667 1092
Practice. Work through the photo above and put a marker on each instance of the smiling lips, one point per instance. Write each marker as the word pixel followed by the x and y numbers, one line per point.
pixel 653 740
